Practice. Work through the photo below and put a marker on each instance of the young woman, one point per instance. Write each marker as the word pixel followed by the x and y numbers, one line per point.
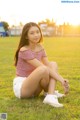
pixel 34 72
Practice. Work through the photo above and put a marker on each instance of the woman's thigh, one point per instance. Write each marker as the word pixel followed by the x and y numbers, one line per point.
pixel 32 82
pixel 38 91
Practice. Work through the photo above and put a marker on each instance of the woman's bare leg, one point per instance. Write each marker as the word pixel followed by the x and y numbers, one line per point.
pixel 39 77
pixel 52 83
pixel 65 85
pixel 51 87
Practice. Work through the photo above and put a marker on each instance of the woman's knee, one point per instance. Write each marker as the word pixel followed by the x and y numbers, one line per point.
pixel 44 70
pixel 54 65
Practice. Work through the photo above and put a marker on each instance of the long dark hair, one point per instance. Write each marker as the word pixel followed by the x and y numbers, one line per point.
pixel 24 38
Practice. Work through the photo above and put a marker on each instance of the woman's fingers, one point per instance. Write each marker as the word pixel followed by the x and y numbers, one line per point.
pixel 66 86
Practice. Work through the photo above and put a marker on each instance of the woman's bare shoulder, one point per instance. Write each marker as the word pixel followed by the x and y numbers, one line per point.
pixel 24 48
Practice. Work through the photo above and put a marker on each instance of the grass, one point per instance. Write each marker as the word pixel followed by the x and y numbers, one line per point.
pixel 65 51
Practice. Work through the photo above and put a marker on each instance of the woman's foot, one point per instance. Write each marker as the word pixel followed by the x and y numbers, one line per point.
pixel 59 95
pixel 52 100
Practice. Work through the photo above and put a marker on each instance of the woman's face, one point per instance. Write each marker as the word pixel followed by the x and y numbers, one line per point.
pixel 34 34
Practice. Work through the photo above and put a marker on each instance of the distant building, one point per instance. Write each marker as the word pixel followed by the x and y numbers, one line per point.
pixel 47 30
pixel 15 31
pixel 43 27
pixel 2 30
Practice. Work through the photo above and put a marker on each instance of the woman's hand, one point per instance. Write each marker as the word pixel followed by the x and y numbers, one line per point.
pixel 65 86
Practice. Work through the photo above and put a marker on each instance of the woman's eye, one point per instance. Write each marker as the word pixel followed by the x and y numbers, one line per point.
pixel 31 33
pixel 36 32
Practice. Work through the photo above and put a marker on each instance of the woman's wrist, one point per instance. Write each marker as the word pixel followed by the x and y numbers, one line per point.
pixel 61 79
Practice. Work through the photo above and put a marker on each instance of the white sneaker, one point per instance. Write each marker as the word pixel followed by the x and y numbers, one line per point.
pixel 59 95
pixel 52 100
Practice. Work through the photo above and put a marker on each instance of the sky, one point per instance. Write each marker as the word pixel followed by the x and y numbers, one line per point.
pixel 16 11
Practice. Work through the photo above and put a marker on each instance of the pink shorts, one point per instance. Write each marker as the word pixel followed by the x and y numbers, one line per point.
pixel 17 84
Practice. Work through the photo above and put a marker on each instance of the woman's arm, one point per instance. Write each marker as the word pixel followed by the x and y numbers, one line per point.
pixel 53 74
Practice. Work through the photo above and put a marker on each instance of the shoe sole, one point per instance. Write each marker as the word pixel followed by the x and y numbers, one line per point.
pixel 54 105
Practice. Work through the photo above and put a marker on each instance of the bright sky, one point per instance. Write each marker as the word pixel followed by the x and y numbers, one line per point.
pixel 16 11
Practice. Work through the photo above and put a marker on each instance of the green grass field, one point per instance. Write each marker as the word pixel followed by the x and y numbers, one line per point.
pixel 66 52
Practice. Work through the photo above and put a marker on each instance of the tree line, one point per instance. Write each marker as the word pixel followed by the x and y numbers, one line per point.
pixel 65 29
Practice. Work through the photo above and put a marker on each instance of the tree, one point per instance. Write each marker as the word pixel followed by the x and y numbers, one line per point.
pixel 5 25
pixel 21 24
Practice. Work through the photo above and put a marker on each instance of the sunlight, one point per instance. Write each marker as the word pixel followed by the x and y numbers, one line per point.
pixel 73 20
pixel 39 10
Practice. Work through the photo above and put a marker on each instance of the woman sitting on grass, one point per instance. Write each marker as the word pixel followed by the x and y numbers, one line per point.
pixel 34 72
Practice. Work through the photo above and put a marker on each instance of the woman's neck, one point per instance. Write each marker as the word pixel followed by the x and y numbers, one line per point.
pixel 32 46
